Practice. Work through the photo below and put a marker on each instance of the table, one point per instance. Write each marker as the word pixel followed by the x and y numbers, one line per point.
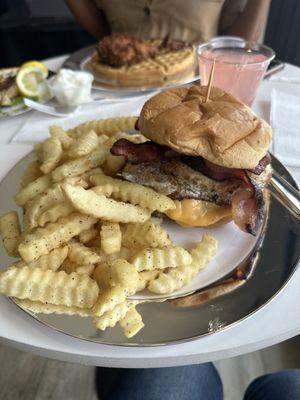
pixel 263 329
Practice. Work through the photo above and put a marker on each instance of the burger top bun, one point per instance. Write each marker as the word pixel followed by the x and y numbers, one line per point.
pixel 223 130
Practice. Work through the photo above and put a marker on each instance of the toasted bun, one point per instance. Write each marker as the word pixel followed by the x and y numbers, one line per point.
pixel 198 213
pixel 222 130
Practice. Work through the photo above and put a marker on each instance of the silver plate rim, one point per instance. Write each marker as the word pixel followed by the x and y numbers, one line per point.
pixel 171 342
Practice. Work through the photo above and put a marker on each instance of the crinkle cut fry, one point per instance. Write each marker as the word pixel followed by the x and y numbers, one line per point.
pixel 132 323
pixel 38 307
pixel 108 126
pixel 99 206
pixel 52 260
pixel 53 235
pixel 48 286
pixel 170 257
pixel 132 192
pixel 175 278
pixel 10 231
pixel 147 234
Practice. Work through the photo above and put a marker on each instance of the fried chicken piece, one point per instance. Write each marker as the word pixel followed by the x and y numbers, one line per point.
pixel 172 45
pixel 118 50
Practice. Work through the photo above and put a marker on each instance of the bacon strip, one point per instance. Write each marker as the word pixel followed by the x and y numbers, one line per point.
pixel 248 207
pixel 214 171
pixel 247 202
pixel 261 166
pixel 137 153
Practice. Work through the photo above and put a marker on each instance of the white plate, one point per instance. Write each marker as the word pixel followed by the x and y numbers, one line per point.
pixel 233 247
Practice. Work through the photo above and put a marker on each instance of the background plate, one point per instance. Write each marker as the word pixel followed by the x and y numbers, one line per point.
pixel 168 323
pixel 79 59
pixel 13 110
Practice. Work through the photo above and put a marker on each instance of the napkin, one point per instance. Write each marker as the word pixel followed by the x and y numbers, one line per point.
pixel 36 126
pixel 285 121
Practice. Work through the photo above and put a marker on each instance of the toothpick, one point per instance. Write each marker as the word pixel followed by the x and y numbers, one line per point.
pixel 211 77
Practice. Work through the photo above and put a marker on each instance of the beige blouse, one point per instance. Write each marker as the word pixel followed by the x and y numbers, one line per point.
pixel 188 20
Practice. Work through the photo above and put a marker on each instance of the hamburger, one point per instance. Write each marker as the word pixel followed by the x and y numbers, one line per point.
pixel 210 157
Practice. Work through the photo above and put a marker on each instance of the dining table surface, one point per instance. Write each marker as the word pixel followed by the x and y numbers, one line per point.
pixel 277 321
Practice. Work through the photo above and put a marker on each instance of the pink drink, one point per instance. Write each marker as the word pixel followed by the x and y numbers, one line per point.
pixel 238 70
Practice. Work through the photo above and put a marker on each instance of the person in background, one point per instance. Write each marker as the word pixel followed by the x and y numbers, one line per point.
pixel 192 21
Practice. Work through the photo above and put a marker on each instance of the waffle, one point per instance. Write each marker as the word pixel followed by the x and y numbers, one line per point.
pixel 166 68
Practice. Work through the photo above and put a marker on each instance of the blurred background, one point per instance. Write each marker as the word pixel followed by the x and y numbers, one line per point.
pixel 38 29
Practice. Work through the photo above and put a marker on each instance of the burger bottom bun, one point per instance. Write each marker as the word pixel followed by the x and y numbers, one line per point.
pixel 197 213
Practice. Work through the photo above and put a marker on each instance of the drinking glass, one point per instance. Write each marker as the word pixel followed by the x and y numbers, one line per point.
pixel 239 65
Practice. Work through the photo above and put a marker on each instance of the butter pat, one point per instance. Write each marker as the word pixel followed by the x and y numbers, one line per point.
pixel 71 88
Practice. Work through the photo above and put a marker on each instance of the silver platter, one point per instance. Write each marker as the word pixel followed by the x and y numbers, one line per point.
pixel 263 275
pixel 79 59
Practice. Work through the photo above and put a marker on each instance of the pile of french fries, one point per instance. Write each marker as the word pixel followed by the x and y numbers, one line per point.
pixel 89 240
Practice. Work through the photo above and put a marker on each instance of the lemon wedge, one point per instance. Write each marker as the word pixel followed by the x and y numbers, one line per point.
pixel 36 64
pixel 30 76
